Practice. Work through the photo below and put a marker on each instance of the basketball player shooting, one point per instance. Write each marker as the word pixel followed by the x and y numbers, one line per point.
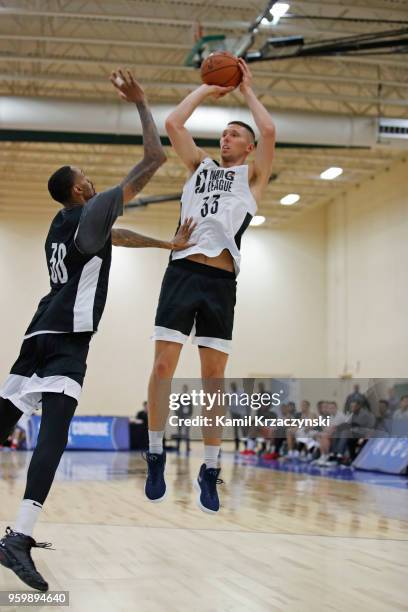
pixel 51 367
pixel 199 285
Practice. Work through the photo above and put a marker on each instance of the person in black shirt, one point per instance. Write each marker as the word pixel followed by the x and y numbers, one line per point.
pixel 141 415
pixel 138 427
pixel 51 367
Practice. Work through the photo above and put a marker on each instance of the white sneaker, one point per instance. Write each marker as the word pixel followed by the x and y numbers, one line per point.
pixel 322 461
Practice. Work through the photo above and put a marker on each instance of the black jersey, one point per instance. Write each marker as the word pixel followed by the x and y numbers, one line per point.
pixel 78 250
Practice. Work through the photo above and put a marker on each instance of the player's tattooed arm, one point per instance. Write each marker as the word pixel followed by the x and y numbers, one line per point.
pixel 127 238
pixel 154 157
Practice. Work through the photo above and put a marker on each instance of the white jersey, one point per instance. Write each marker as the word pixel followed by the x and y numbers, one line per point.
pixel 222 205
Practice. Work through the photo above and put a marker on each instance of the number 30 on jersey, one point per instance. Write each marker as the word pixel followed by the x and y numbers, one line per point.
pixel 58 270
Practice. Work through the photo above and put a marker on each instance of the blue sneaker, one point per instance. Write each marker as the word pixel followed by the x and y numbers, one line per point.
pixel 155 487
pixel 206 485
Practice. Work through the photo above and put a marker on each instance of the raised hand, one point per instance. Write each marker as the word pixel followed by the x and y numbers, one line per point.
pixel 127 87
pixel 216 91
pixel 182 238
pixel 246 82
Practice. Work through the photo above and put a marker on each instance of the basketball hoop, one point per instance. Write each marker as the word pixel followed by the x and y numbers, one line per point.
pixel 203 47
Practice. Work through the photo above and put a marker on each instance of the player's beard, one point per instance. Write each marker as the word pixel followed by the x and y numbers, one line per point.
pixel 90 193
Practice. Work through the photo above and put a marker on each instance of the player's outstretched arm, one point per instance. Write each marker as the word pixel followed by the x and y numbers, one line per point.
pixel 265 148
pixel 180 137
pixel 127 238
pixel 101 212
pixel 131 91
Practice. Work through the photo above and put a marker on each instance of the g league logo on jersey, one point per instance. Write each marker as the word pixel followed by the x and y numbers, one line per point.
pixel 218 179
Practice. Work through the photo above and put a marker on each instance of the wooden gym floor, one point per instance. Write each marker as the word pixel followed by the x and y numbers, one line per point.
pixel 282 542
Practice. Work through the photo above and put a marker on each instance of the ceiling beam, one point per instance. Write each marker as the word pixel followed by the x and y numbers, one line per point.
pixel 114 42
pixel 271 73
pixel 125 18
pixel 273 93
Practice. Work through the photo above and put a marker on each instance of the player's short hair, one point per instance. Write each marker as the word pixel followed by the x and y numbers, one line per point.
pixel 60 184
pixel 246 126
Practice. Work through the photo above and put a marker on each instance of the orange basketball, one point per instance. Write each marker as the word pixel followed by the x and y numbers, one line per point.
pixel 221 68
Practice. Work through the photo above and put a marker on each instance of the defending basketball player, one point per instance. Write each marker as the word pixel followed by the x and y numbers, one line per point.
pixel 50 370
pixel 199 285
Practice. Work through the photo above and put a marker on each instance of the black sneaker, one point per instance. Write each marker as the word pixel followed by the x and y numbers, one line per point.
pixel 206 485
pixel 15 554
pixel 155 487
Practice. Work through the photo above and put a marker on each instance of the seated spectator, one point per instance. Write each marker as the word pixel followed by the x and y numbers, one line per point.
pixel 300 440
pixel 292 409
pixel 337 419
pixel 267 435
pixel 272 438
pixel 253 432
pixel 392 399
pixel 352 434
pixel 277 435
pixel 399 424
pixel 402 410
pixel 355 396
pixel 383 420
pixel 321 408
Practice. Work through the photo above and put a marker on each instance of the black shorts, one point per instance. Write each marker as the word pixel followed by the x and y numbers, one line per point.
pixel 198 296
pixel 53 363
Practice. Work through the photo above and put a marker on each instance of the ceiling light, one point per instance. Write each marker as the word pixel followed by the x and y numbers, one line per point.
pixel 278 10
pixel 331 173
pixel 290 199
pixel 257 220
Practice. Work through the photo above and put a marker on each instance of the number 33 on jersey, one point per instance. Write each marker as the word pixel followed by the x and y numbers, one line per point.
pixel 221 203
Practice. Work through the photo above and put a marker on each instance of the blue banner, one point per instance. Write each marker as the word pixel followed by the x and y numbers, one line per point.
pixel 91 433
pixel 388 455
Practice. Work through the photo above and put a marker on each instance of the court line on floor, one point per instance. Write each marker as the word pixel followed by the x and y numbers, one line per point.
pixel 232 531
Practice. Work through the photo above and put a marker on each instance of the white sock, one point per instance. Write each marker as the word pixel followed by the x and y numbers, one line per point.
pixel 156 442
pixel 27 516
pixel 211 456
